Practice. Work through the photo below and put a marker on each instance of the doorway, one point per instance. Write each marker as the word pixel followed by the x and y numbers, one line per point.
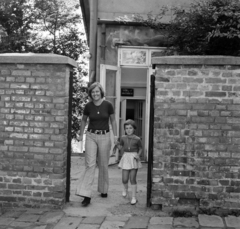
pixel 134 102
pixel 135 110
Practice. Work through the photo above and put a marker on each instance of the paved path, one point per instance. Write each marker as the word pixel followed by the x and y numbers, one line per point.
pixel 113 212
pixel 58 219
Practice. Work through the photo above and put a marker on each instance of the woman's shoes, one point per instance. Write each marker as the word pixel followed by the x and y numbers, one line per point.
pixel 104 195
pixel 133 201
pixel 86 201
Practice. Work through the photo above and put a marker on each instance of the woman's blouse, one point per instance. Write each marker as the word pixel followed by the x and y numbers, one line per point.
pixel 98 115
pixel 131 143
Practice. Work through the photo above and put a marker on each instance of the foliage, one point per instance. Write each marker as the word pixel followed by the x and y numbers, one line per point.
pixel 207 27
pixel 43 26
pixel 60 35
pixel 16 18
pixel 80 98
pixel 59 26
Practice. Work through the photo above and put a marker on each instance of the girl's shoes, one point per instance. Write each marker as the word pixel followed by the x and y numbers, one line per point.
pixel 133 201
pixel 125 190
pixel 134 191
pixel 124 193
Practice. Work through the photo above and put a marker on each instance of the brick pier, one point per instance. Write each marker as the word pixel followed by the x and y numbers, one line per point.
pixel 197 132
pixel 34 92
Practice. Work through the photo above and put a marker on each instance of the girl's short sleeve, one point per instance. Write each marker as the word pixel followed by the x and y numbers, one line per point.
pixel 121 142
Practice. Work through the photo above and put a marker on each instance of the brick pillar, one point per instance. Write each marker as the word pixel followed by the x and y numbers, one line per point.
pixel 197 131
pixel 34 92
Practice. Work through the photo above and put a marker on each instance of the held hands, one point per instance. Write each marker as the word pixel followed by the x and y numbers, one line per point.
pixel 116 145
pixel 114 150
pixel 116 142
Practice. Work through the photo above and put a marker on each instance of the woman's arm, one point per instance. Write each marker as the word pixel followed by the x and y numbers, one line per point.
pixel 114 128
pixel 83 124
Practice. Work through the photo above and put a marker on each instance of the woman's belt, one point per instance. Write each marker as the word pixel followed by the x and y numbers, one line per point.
pixel 98 131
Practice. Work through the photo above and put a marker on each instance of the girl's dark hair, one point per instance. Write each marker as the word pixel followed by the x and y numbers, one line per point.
pixel 130 122
pixel 92 86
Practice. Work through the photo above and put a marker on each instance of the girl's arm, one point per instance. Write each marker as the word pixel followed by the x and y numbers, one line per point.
pixel 119 146
pixel 139 150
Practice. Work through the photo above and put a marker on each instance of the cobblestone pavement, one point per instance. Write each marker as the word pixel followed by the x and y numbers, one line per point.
pixel 57 219
pixel 113 212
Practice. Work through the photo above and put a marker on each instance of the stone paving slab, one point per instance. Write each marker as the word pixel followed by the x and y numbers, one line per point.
pixel 137 222
pixel 88 226
pixel 19 224
pixel 37 211
pixel 51 217
pixel 93 220
pixel 210 221
pixel 26 217
pixel 210 228
pixel 112 225
pixel 6 221
pixel 117 218
pixel 68 223
pixel 232 221
pixel 158 226
pixel 39 227
pixel 161 220
pixel 32 227
pixel 12 214
pixel 185 222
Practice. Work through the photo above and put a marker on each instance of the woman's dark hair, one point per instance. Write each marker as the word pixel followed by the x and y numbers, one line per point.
pixel 92 86
pixel 130 122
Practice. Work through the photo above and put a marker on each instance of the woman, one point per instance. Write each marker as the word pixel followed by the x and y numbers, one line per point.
pixel 98 142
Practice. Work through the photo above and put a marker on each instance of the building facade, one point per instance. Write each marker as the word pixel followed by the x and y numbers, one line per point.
pixel 120 55
pixel 194 159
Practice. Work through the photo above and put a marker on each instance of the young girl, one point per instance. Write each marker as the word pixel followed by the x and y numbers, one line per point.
pixel 131 145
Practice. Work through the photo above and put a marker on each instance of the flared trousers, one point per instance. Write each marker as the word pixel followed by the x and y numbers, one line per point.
pixel 97 152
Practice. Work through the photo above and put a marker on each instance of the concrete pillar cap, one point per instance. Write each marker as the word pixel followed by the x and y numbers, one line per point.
pixel 36 58
pixel 196 60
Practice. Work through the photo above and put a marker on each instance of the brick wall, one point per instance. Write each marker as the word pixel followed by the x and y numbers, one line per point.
pixel 34 92
pixel 197 132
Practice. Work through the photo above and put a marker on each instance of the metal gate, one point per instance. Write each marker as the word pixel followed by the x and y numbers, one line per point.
pixel 150 146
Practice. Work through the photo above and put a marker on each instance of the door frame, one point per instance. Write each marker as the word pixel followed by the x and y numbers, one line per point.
pixel 147 65
pixel 103 69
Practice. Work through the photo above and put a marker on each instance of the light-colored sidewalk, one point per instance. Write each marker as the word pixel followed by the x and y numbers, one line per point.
pixel 115 204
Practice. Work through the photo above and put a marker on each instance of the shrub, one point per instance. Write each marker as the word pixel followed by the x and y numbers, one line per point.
pixel 206 27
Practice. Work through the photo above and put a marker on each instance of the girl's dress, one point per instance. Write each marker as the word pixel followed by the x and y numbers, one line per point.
pixel 131 145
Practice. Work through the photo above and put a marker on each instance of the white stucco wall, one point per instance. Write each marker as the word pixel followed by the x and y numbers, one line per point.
pixel 111 9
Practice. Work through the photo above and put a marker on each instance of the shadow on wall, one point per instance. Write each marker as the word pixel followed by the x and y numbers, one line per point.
pixel 136 37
